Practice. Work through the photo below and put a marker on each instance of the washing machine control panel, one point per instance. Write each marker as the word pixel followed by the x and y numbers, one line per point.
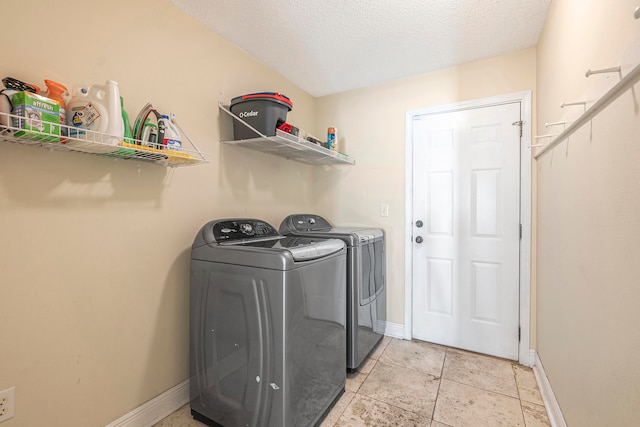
pixel 242 229
pixel 307 223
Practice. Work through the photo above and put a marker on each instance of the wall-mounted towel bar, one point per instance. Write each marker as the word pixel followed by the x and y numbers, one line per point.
pixel 622 86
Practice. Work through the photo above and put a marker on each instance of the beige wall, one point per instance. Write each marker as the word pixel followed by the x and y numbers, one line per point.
pixel 94 268
pixel 371 128
pixel 94 271
pixel 588 221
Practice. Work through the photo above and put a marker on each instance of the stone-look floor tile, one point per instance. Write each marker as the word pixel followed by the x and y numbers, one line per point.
pixel 531 395
pixel 485 372
pixel 389 394
pixel 355 380
pixel 535 415
pixel 524 376
pixel 367 366
pixel 180 418
pixel 461 405
pixel 404 388
pixel 353 383
pixel 368 412
pixel 338 409
pixel 382 345
pixel 527 385
pixel 421 356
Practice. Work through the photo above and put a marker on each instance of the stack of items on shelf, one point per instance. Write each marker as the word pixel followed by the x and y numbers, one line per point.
pixel 263 114
pixel 90 119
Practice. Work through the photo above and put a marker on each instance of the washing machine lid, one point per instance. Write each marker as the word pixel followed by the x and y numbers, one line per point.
pixel 300 248
pixel 314 225
pixel 254 242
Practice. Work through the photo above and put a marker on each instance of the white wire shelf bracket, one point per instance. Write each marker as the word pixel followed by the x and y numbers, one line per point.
pixel 622 86
pixel 33 132
pixel 289 146
pixel 591 72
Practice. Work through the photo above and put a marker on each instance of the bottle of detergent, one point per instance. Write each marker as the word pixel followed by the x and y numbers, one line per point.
pixel 97 108
pixel 128 136
pixel 6 107
pixel 58 92
pixel 171 135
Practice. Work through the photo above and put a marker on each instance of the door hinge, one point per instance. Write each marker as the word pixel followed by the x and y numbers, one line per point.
pixel 520 231
pixel 519 333
pixel 518 123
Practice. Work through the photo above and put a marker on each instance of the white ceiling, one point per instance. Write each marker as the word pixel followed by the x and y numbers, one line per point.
pixel 330 46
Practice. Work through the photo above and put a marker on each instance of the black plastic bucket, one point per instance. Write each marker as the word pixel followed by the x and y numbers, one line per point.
pixel 263 110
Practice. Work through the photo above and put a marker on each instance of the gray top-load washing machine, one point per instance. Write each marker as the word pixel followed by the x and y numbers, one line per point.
pixel 267 325
pixel 366 286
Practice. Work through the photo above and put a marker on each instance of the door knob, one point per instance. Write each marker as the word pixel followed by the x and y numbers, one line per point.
pixel 419 224
pixel 419 239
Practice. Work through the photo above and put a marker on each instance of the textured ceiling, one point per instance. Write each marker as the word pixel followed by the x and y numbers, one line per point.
pixel 330 46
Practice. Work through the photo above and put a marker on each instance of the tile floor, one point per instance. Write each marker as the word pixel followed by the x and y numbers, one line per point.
pixel 413 383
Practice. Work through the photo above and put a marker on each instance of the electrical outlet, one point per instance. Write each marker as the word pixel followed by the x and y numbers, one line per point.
pixel 384 209
pixel 7 403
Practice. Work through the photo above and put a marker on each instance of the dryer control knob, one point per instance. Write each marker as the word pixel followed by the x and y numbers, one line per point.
pixel 246 228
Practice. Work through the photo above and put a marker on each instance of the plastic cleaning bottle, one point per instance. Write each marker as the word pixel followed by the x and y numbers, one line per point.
pixel 149 136
pixel 128 136
pixel 171 135
pixel 6 107
pixel 58 92
pixel 98 109
pixel 332 138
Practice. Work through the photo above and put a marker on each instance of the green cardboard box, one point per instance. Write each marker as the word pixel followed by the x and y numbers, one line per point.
pixel 39 117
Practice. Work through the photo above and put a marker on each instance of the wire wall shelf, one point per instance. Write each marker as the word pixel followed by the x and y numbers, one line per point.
pixel 33 132
pixel 289 146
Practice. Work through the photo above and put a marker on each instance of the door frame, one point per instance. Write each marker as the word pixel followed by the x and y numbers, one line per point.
pixel 524 351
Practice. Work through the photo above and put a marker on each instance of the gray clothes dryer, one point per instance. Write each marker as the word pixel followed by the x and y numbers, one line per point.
pixel 267 326
pixel 366 279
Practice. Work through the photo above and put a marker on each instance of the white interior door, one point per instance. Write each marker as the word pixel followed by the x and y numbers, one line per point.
pixel 466 229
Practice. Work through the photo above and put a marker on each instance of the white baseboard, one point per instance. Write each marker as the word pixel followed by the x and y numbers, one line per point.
pixel 532 358
pixel 549 399
pixel 156 409
pixel 395 330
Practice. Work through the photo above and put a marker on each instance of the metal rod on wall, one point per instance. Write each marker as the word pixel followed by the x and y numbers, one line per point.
pixel 570 104
pixel 555 124
pixel 622 86
pixel 567 104
pixel 603 71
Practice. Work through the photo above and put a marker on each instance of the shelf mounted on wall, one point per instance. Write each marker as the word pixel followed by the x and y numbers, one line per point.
pixel 288 146
pixel 30 131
